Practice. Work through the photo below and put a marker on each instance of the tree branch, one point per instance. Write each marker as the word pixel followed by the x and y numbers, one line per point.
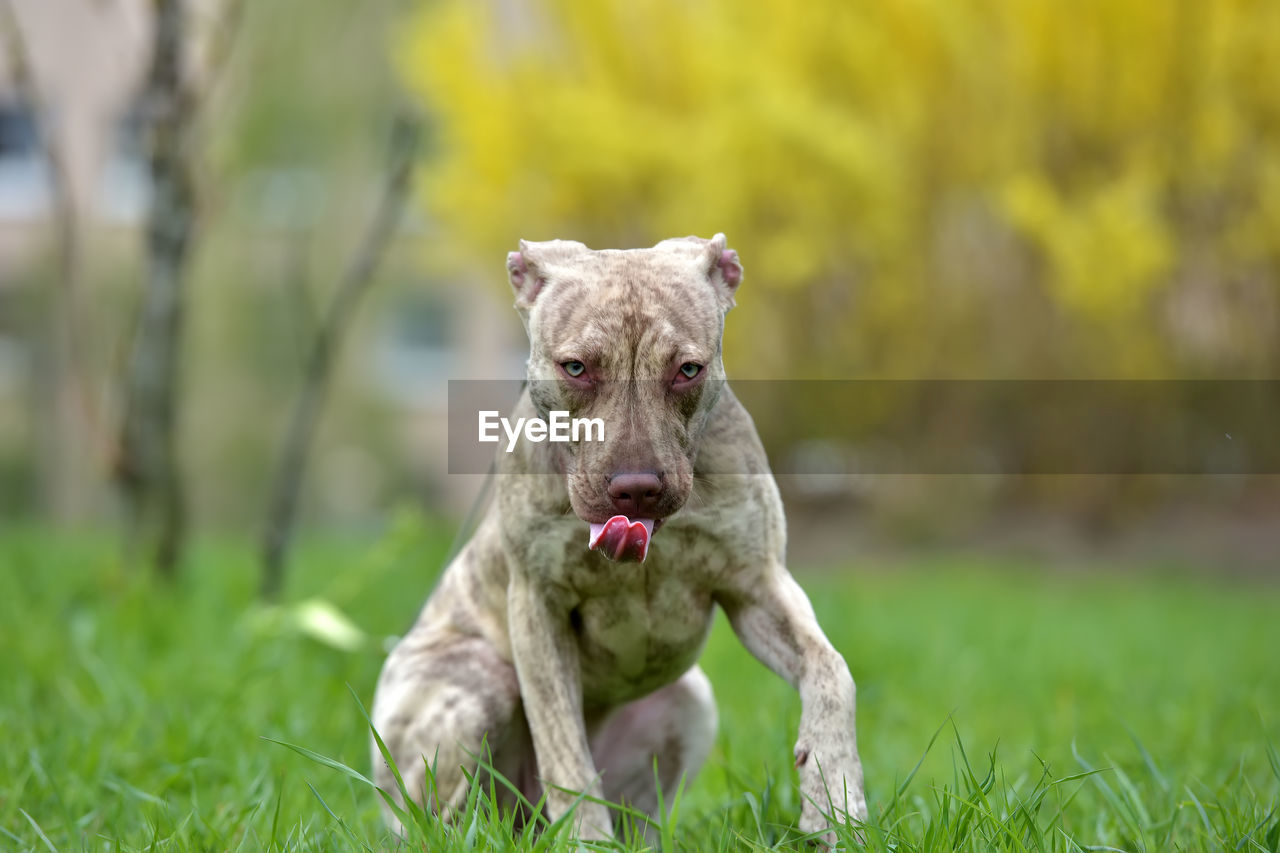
pixel 283 506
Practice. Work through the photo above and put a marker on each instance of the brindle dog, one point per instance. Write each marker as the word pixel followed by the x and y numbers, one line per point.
pixel 557 640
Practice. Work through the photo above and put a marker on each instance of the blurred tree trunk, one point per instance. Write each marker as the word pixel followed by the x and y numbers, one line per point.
pixel 147 469
pixel 283 507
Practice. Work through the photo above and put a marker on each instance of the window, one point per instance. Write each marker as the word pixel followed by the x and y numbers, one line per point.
pixel 124 185
pixel 417 350
pixel 24 184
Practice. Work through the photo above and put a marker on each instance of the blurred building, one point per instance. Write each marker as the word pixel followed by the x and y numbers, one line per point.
pixel 85 63
pixel 71 74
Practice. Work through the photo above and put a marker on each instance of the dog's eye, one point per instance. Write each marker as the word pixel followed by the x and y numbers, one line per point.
pixel 574 368
pixel 689 370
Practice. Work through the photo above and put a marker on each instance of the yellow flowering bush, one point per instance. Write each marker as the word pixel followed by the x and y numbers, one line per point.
pixel 998 187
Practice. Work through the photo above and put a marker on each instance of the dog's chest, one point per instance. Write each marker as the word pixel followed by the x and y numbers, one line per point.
pixel 639 626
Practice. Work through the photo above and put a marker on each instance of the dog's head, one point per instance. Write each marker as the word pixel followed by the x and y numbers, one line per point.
pixel 632 338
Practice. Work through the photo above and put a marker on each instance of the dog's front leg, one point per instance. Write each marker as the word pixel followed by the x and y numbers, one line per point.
pixel 546 659
pixel 772 616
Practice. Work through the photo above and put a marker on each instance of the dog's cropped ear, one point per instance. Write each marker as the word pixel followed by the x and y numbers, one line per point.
pixel 535 264
pixel 723 268
pixel 524 275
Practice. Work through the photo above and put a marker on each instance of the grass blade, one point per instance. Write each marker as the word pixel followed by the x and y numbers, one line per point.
pixel 39 831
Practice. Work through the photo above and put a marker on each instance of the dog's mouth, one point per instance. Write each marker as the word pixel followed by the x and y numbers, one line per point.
pixel 623 539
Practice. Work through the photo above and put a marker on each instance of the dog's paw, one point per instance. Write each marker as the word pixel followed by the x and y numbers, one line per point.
pixel 833 802
pixel 832 832
pixel 592 822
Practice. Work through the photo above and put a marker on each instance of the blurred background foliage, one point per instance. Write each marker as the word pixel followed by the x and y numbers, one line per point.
pixel 927 189
pixel 921 190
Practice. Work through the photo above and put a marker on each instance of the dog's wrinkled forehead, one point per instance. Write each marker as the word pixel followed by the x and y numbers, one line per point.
pixel 618 294
pixel 676 292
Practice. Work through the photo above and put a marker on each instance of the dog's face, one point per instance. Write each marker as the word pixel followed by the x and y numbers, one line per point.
pixel 633 338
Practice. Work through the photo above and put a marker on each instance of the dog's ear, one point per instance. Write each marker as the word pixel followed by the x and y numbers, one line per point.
pixel 525 278
pixel 530 268
pixel 723 268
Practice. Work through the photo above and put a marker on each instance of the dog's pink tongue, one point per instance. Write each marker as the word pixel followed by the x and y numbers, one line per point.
pixel 622 539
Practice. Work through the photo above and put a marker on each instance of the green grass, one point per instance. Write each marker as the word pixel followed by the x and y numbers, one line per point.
pixel 139 715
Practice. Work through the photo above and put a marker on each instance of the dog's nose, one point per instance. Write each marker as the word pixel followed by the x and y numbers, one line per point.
pixel 635 494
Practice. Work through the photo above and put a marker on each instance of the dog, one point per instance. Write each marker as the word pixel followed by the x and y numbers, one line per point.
pixel 562 641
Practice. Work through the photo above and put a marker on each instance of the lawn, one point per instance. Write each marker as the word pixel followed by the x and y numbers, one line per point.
pixel 137 714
